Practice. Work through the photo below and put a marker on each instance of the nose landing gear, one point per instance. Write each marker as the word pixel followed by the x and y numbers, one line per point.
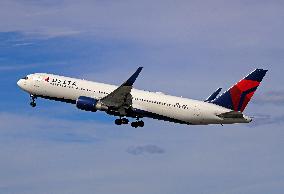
pixel 33 98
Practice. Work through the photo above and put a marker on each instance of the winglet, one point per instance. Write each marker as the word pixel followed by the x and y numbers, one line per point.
pixel 133 78
pixel 214 95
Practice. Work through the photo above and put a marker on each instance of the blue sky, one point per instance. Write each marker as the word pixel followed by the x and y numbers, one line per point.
pixel 188 48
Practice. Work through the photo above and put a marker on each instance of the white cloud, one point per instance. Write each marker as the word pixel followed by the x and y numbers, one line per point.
pixel 33 160
pixel 16 68
pixel 217 24
pixel 150 149
pixel 271 97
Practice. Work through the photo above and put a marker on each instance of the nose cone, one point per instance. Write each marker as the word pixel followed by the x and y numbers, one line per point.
pixel 21 83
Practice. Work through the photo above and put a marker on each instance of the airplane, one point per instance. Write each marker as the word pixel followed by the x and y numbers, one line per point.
pixel 126 102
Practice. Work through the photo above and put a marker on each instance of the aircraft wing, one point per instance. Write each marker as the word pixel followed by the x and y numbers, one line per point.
pixel 121 98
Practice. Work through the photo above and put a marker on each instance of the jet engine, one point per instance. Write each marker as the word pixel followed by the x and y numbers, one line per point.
pixel 90 104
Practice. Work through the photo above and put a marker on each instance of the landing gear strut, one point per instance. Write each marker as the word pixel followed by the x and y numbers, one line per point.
pixel 121 121
pixel 33 98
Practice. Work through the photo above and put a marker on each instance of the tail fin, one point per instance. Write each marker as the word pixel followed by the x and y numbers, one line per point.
pixel 239 95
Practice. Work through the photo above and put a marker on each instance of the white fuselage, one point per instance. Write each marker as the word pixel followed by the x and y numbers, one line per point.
pixel 178 109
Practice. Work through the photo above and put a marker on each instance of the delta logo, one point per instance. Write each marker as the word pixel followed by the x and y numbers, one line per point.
pixel 55 81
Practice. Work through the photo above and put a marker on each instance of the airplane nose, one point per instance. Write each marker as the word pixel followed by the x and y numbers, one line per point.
pixel 20 83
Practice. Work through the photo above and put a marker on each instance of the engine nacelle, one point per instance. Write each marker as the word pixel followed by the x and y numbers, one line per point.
pixel 90 104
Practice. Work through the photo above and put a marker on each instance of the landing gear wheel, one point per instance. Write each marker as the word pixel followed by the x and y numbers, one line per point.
pixel 134 124
pixel 137 124
pixel 118 121
pixel 33 104
pixel 140 123
pixel 125 121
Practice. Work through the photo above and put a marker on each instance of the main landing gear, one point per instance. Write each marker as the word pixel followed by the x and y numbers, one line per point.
pixel 137 124
pixel 121 121
pixel 33 98
pixel 125 121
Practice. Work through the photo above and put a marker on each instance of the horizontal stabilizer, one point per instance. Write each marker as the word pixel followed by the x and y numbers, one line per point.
pixel 231 115
pixel 214 95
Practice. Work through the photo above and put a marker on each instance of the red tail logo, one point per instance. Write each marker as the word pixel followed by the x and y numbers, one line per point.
pixel 239 95
pixel 242 92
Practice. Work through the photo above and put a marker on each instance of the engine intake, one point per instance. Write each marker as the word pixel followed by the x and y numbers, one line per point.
pixel 90 104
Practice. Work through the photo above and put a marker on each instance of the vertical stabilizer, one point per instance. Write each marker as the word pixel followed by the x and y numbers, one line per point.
pixel 239 95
